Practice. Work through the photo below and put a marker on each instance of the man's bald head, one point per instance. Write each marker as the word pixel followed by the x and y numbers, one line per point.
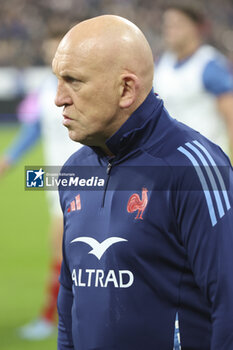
pixel 112 54
pixel 117 43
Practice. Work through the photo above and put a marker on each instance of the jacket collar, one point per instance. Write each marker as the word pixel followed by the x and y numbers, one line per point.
pixel 138 127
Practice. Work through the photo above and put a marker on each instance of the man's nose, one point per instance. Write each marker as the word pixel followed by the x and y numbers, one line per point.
pixel 62 96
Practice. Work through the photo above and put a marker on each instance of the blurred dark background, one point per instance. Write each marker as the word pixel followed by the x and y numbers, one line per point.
pixel 25 23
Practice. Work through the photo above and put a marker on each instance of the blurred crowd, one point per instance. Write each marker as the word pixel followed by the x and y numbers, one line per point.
pixel 24 24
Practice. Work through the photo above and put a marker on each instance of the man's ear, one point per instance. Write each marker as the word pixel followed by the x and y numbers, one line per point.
pixel 129 89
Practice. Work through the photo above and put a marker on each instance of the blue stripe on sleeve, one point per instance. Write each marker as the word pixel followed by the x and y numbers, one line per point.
pixel 203 182
pixel 219 176
pixel 211 178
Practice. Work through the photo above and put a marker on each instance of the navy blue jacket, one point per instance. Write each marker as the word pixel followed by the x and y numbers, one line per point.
pixel 155 242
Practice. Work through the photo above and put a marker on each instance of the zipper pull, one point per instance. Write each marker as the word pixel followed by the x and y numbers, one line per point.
pixel 109 167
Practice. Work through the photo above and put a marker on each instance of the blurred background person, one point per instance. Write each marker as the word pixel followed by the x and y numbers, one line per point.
pixel 40 118
pixel 194 78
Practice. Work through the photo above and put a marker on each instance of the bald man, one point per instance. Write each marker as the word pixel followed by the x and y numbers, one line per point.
pixel 147 247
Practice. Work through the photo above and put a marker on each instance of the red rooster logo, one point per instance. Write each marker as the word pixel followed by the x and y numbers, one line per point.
pixel 135 203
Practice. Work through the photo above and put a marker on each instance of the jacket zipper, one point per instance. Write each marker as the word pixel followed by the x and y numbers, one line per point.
pixel 109 167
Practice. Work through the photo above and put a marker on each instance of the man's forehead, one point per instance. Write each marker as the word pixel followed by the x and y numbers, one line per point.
pixel 80 44
pixel 64 63
pixel 71 64
pixel 88 52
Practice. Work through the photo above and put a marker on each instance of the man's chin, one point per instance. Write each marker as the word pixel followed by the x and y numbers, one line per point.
pixel 76 138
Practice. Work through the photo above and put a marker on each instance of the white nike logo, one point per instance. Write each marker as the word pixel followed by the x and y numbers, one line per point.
pixel 99 248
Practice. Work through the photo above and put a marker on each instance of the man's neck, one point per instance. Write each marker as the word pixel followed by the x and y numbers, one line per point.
pixel 107 151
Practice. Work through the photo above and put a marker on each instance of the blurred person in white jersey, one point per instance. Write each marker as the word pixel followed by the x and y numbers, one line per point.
pixel 194 78
pixel 40 119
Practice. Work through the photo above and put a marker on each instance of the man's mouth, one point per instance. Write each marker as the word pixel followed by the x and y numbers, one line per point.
pixel 66 120
pixel 66 117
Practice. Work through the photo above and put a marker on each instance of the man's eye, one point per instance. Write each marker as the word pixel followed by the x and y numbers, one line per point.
pixel 69 79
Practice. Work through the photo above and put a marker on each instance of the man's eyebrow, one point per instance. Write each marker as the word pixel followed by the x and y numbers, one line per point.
pixel 67 75
pixel 75 75
pixel 64 74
